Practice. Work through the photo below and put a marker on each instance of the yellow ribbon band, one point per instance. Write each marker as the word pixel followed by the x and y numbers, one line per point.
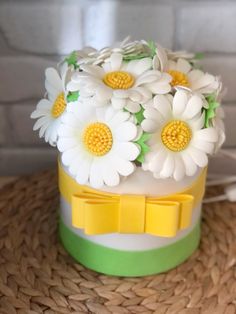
pixel 99 212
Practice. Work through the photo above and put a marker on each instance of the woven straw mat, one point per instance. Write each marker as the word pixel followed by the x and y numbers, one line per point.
pixel 38 276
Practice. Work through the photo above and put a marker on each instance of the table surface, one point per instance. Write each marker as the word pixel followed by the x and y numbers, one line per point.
pixel 37 275
pixel 6 180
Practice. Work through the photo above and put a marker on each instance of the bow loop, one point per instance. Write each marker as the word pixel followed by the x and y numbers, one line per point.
pixel 175 211
pixel 162 218
pixel 93 212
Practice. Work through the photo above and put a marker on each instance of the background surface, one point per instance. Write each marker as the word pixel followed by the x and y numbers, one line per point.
pixel 35 34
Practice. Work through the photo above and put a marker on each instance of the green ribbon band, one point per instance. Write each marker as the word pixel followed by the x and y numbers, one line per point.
pixel 128 263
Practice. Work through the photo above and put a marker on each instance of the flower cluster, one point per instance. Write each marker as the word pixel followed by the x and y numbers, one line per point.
pixel 133 105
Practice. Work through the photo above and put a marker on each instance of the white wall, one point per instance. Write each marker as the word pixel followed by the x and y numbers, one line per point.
pixel 34 34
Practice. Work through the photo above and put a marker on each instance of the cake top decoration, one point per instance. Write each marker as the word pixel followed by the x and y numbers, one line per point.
pixel 132 105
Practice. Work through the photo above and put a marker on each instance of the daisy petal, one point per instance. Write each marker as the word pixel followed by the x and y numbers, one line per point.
pixel 53 137
pixel 168 167
pixel 64 144
pixel 205 80
pixel 121 93
pixel 103 93
pixel 40 122
pixel 179 102
pixel 43 129
pixel 209 135
pixel 53 79
pixel 126 131
pixel 162 56
pixel 193 107
pixel 179 171
pixel 109 114
pixel 203 146
pixel 155 165
pixel 93 70
pixel 199 157
pixel 83 171
pixel 48 133
pixel 153 114
pixel 198 123
pixel 39 113
pixel 149 125
pixel 195 75
pixel 73 86
pixel 119 117
pixel 135 96
pixel 132 106
pixel 76 163
pixel 144 79
pixel 159 87
pixel 52 91
pixel 95 176
pixel 44 104
pixel 68 156
pixel 124 167
pixel 110 175
pixel 139 66
pixel 116 61
pixel 118 103
pixel 74 166
pixel 190 165
pixel 146 94
pixel 66 130
pixel 183 66
pixel 128 151
pixel 161 103
pixel 172 65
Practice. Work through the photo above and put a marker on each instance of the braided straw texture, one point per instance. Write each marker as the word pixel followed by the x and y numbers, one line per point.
pixel 38 276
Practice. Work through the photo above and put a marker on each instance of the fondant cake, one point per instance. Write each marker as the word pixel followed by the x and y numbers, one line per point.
pixel 134 125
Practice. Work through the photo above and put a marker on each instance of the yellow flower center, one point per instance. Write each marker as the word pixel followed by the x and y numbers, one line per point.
pixel 98 139
pixel 176 135
pixel 179 78
pixel 119 80
pixel 59 106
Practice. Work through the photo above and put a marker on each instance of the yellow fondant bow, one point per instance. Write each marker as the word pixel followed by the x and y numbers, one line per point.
pixel 99 212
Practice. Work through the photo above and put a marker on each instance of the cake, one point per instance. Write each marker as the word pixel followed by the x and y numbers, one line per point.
pixel 134 125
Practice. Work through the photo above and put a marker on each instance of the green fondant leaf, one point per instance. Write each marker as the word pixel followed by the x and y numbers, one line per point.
pixel 199 56
pixel 152 47
pixel 144 148
pixel 72 60
pixel 72 96
pixel 139 116
pixel 130 57
pixel 141 55
pixel 211 110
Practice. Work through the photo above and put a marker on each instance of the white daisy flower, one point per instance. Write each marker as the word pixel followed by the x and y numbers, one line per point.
pixel 183 74
pixel 179 143
pixel 96 144
pixel 124 84
pixel 50 110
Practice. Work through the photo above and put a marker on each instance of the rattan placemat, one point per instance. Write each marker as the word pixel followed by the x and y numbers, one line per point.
pixel 38 276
